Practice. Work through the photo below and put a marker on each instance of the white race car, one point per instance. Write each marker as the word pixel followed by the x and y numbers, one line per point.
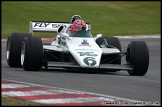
pixel 74 47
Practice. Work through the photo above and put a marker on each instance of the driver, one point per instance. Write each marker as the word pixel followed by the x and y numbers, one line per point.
pixel 78 25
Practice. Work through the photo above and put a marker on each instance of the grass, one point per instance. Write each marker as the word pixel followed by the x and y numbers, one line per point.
pixel 106 17
pixel 7 101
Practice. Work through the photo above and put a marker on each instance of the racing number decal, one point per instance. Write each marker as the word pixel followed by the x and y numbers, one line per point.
pixel 89 61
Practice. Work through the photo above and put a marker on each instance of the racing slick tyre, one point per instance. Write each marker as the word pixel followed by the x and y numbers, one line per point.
pixel 113 41
pixel 32 53
pixel 138 57
pixel 13 48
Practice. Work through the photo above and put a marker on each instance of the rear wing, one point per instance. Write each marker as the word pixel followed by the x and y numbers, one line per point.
pixel 36 26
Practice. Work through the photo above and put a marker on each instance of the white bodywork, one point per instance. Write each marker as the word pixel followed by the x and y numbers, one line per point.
pixel 91 52
pixel 84 49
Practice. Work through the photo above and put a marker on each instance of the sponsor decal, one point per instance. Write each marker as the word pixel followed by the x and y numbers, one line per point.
pixel 90 60
pixel 41 24
pixel 84 43
pixel 86 50
pixel 56 25
pixel 87 54
pixel 44 24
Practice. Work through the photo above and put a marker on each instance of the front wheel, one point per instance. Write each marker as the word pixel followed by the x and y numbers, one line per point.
pixel 32 54
pixel 138 57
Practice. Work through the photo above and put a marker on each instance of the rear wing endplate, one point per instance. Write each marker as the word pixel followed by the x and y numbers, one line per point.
pixel 36 26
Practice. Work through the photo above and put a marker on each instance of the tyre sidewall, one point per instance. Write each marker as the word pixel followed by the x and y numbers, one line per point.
pixel 33 54
pixel 138 58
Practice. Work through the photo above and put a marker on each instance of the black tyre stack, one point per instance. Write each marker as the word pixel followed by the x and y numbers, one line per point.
pixel 13 48
pixel 24 46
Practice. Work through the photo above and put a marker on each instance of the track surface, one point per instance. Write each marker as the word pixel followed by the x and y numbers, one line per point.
pixel 120 84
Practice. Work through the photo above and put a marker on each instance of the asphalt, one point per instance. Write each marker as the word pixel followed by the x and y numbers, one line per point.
pixel 119 84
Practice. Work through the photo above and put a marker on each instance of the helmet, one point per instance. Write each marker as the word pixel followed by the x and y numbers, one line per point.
pixel 78 25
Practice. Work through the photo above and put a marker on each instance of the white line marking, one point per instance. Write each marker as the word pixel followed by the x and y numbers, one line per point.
pixel 71 100
pixel 13 86
pixel 139 36
pixel 29 93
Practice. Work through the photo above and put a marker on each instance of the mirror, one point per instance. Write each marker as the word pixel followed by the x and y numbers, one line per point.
pixel 60 29
pixel 99 35
pixel 88 27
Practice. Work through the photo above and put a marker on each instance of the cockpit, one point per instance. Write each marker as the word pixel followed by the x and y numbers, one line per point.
pixel 82 33
pixel 78 28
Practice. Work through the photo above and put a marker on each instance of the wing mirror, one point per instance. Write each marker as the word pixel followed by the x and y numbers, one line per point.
pixel 88 27
pixel 98 36
pixel 60 29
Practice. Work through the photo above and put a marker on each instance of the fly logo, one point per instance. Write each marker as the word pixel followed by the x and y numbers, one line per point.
pixel 40 24
pixel 51 25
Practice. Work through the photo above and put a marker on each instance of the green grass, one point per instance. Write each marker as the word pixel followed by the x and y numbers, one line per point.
pixel 7 101
pixel 108 18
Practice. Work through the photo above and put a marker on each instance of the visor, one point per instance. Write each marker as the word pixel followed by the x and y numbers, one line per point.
pixel 78 28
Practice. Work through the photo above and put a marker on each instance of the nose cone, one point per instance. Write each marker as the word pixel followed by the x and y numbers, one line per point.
pixel 86 52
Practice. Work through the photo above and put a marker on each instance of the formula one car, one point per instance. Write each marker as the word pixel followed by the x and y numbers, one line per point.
pixel 74 47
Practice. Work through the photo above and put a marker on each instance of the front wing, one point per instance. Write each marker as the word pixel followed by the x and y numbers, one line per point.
pixel 102 66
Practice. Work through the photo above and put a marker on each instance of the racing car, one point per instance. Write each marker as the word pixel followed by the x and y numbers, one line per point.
pixel 74 47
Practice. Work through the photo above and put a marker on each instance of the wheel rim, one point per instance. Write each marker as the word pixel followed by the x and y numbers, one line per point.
pixel 8 51
pixel 22 53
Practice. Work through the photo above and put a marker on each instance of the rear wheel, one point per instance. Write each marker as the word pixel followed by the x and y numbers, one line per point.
pixel 32 54
pixel 138 57
pixel 13 48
